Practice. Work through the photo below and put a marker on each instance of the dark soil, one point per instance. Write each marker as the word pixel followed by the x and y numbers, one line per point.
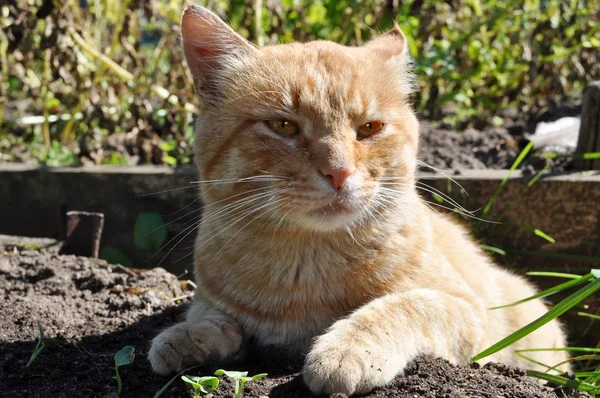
pixel 444 148
pixel 488 147
pixel 94 309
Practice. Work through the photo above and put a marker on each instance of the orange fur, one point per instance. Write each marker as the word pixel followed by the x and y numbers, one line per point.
pixel 362 278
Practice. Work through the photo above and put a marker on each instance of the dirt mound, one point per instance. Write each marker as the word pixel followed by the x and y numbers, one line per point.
pixel 496 146
pixel 444 148
pixel 94 309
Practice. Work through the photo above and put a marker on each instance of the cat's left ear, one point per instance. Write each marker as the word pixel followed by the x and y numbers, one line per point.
pixel 391 44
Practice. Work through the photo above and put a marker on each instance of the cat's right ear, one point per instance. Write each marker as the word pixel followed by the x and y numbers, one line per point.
pixel 392 44
pixel 211 48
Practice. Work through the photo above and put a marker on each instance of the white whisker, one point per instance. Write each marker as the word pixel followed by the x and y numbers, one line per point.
pixel 433 191
pixel 165 191
pixel 442 173
pixel 249 222
pixel 222 212
pixel 189 230
pixel 458 211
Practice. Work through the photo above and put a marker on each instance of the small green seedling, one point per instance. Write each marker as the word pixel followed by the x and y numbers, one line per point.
pixel 122 358
pixel 241 378
pixel 201 384
pixel 42 343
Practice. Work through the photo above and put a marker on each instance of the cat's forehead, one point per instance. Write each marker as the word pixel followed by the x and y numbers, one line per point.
pixel 325 78
pixel 317 58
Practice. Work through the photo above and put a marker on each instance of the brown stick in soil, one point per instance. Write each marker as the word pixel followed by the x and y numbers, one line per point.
pixel 84 231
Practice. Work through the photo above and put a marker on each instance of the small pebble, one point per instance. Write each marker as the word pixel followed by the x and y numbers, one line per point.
pixel 151 298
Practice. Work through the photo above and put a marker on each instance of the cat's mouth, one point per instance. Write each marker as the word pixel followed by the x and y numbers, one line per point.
pixel 334 212
pixel 337 207
pixel 337 210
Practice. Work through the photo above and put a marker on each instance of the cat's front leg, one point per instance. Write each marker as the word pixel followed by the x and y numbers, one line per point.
pixel 206 335
pixel 374 344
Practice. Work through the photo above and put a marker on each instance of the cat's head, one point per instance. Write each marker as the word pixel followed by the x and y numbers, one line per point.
pixel 322 133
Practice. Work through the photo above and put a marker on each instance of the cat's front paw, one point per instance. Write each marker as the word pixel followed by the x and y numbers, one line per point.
pixel 340 363
pixel 187 344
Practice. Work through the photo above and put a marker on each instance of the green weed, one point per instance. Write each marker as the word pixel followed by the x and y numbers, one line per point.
pixel 201 384
pixel 240 378
pixel 124 357
pixel 119 73
pixel 42 343
pixel 206 384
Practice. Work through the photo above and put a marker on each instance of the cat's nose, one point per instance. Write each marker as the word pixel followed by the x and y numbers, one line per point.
pixel 336 176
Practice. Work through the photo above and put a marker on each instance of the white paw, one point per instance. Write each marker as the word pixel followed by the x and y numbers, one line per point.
pixel 340 363
pixel 187 344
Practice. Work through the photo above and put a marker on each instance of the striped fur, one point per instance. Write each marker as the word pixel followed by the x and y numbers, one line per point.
pixel 361 279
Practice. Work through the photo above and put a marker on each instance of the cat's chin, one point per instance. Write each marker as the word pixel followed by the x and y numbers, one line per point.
pixel 328 218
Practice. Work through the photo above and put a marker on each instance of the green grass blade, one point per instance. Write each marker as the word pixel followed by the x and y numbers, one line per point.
pixel 517 198
pixel 573 349
pixel 586 314
pixel 561 381
pixel 533 360
pixel 554 313
pixel 575 359
pixel 535 231
pixel 164 388
pixel 516 164
pixel 553 155
pixel 550 291
pixel 547 155
pixel 553 274
pixel 585 374
pixel 543 235
pixel 594 379
pixel 493 249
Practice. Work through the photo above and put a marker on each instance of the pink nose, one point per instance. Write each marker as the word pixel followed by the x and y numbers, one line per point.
pixel 336 177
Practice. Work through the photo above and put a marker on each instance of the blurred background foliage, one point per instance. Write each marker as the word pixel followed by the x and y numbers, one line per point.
pixel 104 81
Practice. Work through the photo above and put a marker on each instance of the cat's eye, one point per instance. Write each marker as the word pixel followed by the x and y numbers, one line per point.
pixel 283 127
pixel 369 129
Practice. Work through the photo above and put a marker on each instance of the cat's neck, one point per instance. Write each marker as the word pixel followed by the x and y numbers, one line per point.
pixel 291 274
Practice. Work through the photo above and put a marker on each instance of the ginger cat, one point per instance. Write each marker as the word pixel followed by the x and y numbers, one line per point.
pixel 313 236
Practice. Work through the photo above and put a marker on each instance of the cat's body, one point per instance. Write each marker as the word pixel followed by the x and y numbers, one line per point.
pixel 313 237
